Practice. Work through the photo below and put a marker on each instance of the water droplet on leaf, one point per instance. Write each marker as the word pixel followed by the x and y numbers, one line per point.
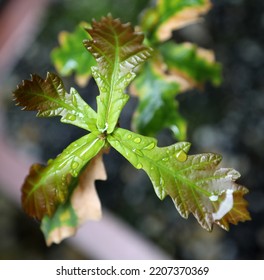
pixel 150 146
pixel 181 156
pixel 71 117
pixel 129 136
pixel 74 173
pixel 161 182
pixel 139 166
pixel 165 159
pixel 74 101
pixel 137 140
pixel 213 197
pixel 128 76
pixel 74 165
pixel 138 152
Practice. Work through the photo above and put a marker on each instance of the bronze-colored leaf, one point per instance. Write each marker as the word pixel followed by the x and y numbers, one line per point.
pixel 118 50
pixel 48 186
pixel 49 98
pixel 195 183
pixel 84 204
pixel 43 199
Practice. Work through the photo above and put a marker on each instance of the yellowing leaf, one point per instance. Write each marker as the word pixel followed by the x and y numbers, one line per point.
pixel 237 206
pixel 183 16
pixel 83 205
pixel 193 66
pixel 84 200
pixel 71 56
pixel 169 15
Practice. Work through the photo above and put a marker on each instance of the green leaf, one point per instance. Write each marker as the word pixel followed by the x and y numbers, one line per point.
pixel 83 204
pixel 169 15
pixel 47 186
pixel 157 108
pixel 195 183
pixel 194 65
pixel 118 50
pixel 71 56
pixel 50 98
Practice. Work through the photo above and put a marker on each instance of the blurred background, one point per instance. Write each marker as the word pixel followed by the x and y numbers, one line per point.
pixel 228 120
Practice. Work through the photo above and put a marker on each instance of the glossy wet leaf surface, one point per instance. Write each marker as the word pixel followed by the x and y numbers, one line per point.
pixel 48 186
pixel 194 182
pixel 118 50
pixel 62 193
pixel 49 98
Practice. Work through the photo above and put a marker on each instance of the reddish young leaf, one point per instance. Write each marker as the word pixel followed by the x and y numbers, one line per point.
pixel 47 186
pixel 49 98
pixel 118 50
pixel 195 183
pixel 83 204
pixel 43 199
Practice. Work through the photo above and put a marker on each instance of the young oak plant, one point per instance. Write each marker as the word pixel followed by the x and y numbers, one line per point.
pixel 62 194
pixel 172 69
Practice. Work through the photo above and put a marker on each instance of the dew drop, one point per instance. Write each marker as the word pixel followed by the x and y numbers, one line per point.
pixel 74 101
pixel 128 76
pixel 165 159
pixel 71 117
pixel 138 152
pixel 74 173
pixel 213 197
pixel 139 166
pixel 137 140
pixel 129 136
pixel 74 165
pixel 150 146
pixel 181 156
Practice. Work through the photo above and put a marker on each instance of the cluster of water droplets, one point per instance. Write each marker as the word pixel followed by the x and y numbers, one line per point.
pixel 139 152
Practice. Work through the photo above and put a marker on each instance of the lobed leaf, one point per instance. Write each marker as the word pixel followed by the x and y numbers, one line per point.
pixel 195 183
pixel 157 108
pixel 82 205
pixel 71 56
pixel 50 98
pixel 174 69
pixel 48 186
pixel 169 15
pixel 190 63
pixel 118 50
